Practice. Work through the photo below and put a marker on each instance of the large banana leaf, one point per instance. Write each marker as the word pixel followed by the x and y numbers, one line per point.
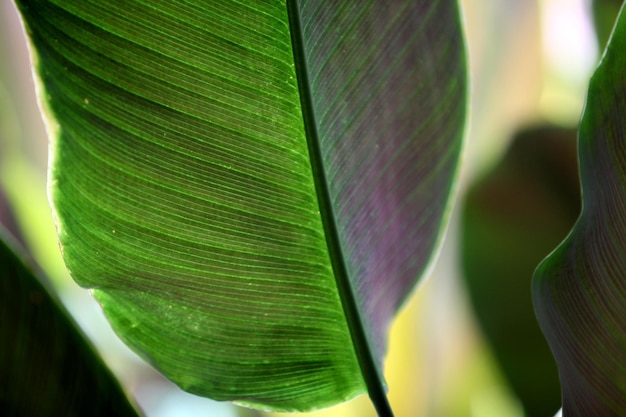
pixel 46 365
pixel 252 188
pixel 579 291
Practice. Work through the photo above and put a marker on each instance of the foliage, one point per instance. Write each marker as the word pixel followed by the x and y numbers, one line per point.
pixel 505 235
pixel 252 190
pixel 579 290
pixel 50 379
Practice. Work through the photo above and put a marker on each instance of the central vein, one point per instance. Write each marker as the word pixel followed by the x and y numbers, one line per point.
pixel 362 349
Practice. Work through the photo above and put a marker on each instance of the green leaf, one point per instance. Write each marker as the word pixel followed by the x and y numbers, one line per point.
pixel 252 188
pixel 604 14
pixel 512 217
pixel 579 291
pixel 47 367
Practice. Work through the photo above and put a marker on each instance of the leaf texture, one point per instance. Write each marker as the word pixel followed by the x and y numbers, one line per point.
pixel 389 133
pixel 578 291
pixel 47 367
pixel 252 188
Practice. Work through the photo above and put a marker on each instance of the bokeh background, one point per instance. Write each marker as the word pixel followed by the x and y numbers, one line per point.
pixel 467 343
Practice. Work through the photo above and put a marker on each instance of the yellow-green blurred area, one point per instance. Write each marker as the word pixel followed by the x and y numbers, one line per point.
pixel 530 62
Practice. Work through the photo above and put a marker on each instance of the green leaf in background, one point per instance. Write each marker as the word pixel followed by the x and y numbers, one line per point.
pixel 47 367
pixel 252 188
pixel 511 218
pixel 579 291
pixel 604 14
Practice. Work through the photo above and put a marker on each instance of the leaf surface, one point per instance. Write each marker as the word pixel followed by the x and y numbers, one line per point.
pixel 579 291
pixel 252 188
pixel 47 367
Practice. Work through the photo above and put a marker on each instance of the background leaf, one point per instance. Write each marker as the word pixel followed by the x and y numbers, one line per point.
pixel 604 14
pixel 512 217
pixel 578 291
pixel 251 221
pixel 46 365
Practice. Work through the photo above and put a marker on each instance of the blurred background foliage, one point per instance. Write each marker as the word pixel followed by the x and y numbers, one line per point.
pixel 512 218
pixel 467 343
pixel 35 379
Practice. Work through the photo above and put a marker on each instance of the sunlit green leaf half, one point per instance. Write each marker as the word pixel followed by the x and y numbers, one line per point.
pixel 47 367
pixel 252 188
pixel 580 289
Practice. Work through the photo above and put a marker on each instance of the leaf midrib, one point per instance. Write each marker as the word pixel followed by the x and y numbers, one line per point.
pixel 360 342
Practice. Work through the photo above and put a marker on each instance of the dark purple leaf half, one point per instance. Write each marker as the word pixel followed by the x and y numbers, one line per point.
pixel 388 92
pixel 384 99
pixel 579 291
